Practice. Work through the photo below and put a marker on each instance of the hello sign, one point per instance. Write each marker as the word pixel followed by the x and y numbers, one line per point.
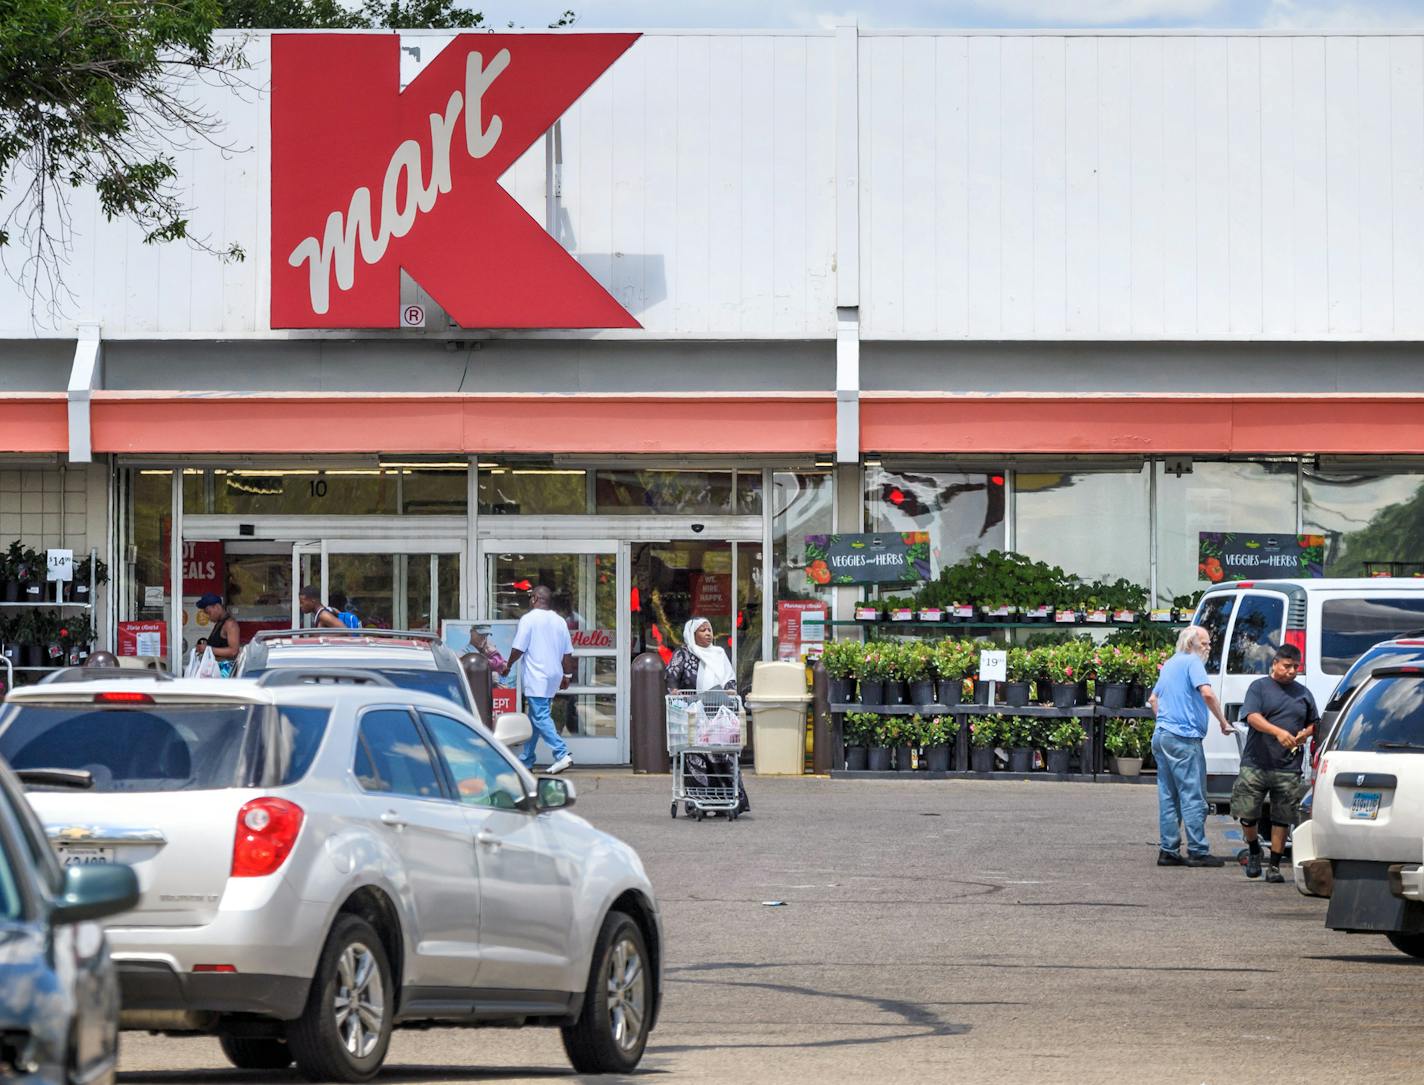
pixel 368 179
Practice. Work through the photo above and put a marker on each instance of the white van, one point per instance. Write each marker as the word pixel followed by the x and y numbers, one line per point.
pixel 1332 622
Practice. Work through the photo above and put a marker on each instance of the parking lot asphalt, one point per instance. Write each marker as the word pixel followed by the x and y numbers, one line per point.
pixel 950 930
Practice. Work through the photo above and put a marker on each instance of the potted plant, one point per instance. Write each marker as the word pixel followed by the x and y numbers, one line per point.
pixel 1019 739
pixel 1019 672
pixel 1065 664
pixel 870 668
pixel 936 734
pixel 985 733
pixel 839 657
pixel 1115 668
pixel 9 647
pixel 27 637
pixel 892 655
pixel 897 733
pixel 953 663
pixel 859 732
pixel 1184 606
pixel 917 660
pixel 1123 741
pixel 84 572
pixel 867 610
pixel 1062 739
pixel 900 608
pixel 879 737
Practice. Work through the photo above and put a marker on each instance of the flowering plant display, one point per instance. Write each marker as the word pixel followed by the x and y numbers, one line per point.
pixel 986 732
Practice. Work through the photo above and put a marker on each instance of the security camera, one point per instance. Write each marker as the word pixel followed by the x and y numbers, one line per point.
pixel 698 528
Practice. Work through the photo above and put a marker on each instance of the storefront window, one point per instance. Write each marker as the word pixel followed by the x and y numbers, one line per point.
pixel 1371 523
pixel 1060 517
pixel 804 504
pixel 963 513
pixel 1215 496
pixel 144 585
pixel 306 491
pixel 664 492
pixel 749 493
pixel 532 489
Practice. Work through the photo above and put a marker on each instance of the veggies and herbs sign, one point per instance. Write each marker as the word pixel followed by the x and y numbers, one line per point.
pixel 1236 555
pixel 882 557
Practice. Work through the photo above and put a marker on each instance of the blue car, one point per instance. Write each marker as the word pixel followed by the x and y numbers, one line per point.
pixel 59 994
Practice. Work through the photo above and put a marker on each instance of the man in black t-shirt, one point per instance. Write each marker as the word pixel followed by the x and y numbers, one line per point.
pixel 1282 715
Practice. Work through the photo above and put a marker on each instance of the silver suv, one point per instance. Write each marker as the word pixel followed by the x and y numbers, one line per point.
pixel 409 660
pixel 324 856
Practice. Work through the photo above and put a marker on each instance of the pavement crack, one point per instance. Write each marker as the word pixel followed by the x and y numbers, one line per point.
pixel 1075 904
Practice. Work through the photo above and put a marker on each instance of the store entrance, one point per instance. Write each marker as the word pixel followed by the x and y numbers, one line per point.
pixel 386 585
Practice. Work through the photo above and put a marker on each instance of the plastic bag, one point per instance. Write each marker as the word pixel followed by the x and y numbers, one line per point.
pixel 721 728
pixel 202 666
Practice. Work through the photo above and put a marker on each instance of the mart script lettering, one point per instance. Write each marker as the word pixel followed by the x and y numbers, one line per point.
pixel 370 181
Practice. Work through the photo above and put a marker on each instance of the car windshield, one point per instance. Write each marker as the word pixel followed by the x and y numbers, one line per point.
pixel 163 747
pixel 441 683
pixel 1388 713
pixel 1375 659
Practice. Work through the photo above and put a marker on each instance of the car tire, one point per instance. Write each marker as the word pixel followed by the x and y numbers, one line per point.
pixel 256 1052
pixel 1412 944
pixel 334 1040
pixel 612 1029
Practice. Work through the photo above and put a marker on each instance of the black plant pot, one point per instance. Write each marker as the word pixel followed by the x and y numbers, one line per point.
pixel 1015 694
pixel 904 761
pixel 12 591
pixel 872 691
pixel 33 655
pixel 1058 760
pixel 843 691
pixel 923 692
pixel 855 758
pixel 1115 695
pixel 937 758
pixel 894 692
pixel 878 759
pixel 951 691
pixel 79 593
pixel 981 760
pixel 1136 696
pixel 1021 759
pixel 1065 694
pixel 981 692
pixel 31 591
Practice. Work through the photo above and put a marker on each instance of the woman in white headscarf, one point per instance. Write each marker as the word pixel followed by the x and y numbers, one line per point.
pixel 698 665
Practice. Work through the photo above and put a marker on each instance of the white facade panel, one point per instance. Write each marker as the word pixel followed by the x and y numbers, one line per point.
pixel 1132 186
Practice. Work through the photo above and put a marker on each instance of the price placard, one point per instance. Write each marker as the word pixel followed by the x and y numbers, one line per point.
pixel 993 666
pixel 60 565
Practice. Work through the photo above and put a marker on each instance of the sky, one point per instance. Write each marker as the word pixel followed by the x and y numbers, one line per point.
pixel 966 14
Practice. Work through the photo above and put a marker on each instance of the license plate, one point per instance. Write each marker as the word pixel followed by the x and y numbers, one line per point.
pixel 84 855
pixel 1366 806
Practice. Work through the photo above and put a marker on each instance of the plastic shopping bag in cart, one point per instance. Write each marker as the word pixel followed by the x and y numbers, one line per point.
pixel 719 727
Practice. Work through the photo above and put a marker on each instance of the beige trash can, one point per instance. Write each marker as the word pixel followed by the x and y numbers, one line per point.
pixel 778 703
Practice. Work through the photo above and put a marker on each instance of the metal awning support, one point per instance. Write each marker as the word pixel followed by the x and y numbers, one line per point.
pixel 85 375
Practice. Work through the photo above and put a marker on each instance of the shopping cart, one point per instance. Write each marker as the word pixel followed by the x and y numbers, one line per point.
pixel 711 724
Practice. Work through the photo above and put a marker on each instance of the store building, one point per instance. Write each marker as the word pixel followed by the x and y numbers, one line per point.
pixel 1076 295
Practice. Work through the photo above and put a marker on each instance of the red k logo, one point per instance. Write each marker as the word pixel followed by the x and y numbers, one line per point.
pixel 367 180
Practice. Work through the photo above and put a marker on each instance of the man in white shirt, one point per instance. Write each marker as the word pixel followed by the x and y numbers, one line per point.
pixel 542 640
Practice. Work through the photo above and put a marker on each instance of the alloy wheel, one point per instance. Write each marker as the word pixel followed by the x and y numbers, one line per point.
pixel 627 994
pixel 360 1004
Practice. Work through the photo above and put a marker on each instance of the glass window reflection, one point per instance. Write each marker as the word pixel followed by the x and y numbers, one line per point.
pixel 963 513
pixel 1060 517
pixel 1370 522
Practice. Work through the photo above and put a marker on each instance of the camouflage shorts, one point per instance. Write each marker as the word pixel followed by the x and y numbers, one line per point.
pixel 1284 788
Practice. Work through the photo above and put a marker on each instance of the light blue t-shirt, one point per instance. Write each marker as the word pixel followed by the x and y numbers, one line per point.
pixel 1180 708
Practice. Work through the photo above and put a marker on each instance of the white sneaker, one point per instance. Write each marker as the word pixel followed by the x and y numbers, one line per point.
pixel 561 764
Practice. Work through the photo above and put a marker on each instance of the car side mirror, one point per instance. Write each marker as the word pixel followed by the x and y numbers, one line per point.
pixel 513 728
pixel 555 794
pixel 95 891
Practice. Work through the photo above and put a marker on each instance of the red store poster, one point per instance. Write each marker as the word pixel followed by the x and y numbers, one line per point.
pixel 711 594
pixel 791 622
pixel 143 639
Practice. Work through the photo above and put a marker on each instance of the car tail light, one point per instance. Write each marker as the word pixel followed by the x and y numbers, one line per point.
pixel 226 969
pixel 266 831
pixel 123 697
pixel 1296 638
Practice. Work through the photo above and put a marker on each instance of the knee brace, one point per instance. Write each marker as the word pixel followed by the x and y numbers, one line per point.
pixel 1249 823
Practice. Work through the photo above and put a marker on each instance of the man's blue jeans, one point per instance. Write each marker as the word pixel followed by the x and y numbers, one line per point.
pixel 1181 791
pixel 543 728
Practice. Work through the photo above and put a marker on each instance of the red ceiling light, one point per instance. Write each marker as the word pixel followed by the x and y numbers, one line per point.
pixel 997 480
pixel 897 497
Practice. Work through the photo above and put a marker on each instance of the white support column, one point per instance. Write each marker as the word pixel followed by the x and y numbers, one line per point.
pixel 85 375
pixel 847 244
pixel 847 386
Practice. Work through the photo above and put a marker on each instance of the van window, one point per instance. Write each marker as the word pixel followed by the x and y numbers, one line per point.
pixel 1350 627
pixel 1213 615
pixel 1256 634
pixel 1389 711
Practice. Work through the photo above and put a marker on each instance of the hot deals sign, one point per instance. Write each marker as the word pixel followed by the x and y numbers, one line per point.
pixel 368 179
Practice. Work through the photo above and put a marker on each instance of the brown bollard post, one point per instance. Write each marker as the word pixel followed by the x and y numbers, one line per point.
pixel 647 714
pixel 823 752
pixel 477 671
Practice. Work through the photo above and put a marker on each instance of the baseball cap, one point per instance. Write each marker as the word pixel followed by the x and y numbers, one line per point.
pixel 209 600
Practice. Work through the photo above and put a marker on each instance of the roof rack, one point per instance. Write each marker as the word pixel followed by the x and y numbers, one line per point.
pixel 319 631
pixel 103 674
pixel 327 676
